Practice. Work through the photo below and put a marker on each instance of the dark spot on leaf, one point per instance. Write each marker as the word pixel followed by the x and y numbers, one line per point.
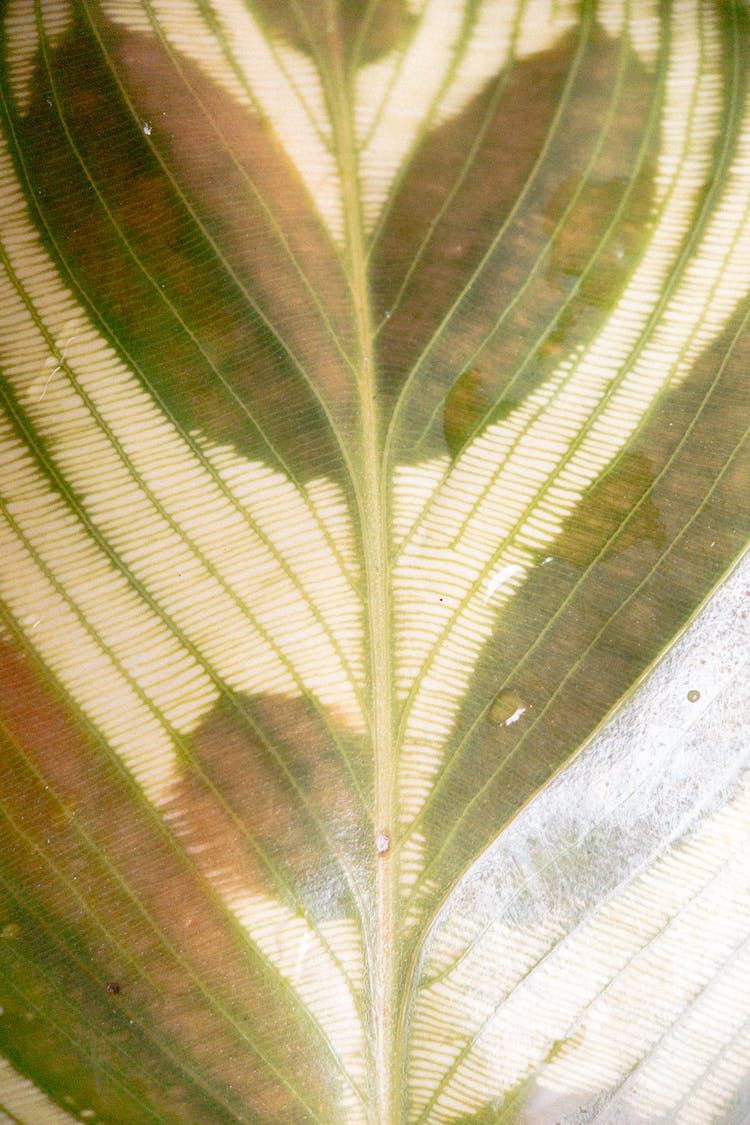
pixel 627 570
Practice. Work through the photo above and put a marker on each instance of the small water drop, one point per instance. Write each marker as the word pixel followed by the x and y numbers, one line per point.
pixel 507 708
pixel 382 843
pixel 694 695
pixel 147 128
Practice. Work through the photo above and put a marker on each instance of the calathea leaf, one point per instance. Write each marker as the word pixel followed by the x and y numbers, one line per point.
pixel 178 215
pixel 374 415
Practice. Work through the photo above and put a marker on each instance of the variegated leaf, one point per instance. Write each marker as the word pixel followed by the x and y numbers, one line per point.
pixel 374 415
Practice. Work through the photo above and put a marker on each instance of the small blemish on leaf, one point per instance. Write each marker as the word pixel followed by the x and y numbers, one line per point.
pixel 11 931
pixel 693 695
pixel 382 843
pixel 507 708
pixel 113 988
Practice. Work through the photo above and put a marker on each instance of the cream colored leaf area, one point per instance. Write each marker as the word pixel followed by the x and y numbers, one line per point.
pixel 170 564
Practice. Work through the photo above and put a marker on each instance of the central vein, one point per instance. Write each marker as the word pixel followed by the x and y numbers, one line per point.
pixel 372 495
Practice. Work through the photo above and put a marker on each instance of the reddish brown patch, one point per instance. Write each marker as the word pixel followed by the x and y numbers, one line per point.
pixel 198 245
pixel 108 883
pixel 515 252
pixel 267 802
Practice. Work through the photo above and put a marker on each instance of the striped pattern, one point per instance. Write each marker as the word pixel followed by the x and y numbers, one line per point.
pixel 569 975
pixel 373 413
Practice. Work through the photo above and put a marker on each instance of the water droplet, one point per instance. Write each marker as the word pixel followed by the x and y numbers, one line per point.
pixel 382 843
pixel 147 129
pixel 507 708
pixel 694 695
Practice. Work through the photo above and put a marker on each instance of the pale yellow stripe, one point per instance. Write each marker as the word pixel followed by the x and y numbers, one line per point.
pixel 21 30
pixel 325 977
pixel 32 1106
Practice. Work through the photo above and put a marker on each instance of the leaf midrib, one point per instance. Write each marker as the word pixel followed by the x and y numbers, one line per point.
pixel 371 494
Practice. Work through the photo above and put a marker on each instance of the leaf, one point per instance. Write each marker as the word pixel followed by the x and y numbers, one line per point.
pixel 373 421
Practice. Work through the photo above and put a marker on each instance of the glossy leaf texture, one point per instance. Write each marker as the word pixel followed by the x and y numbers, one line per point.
pixel 374 417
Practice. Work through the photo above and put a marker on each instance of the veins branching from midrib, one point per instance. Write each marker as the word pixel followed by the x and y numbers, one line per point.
pixel 371 493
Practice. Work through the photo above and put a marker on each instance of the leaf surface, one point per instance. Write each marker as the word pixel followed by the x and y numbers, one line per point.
pixel 374 416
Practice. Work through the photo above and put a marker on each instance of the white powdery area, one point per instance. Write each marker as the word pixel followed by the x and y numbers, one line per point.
pixel 264 598
pixel 644 977
pixel 508 496
pixel 324 967
pixel 601 948
pixel 276 82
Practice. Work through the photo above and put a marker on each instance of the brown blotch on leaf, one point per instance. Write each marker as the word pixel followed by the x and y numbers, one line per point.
pixel 264 798
pixel 493 264
pixel 167 922
pixel 113 988
pixel 615 513
pixel 357 30
pixel 471 401
pixel 199 246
